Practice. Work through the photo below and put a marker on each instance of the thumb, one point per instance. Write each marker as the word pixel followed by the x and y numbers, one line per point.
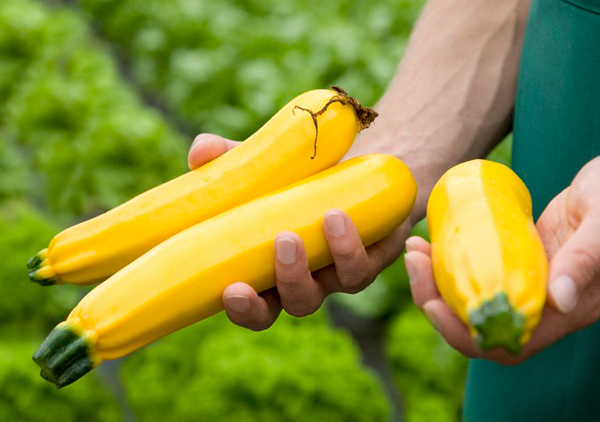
pixel 207 147
pixel 576 265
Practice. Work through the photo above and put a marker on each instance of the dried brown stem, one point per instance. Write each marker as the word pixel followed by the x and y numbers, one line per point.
pixel 365 115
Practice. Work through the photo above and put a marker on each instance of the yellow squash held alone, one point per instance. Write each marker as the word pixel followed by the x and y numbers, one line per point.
pixel 309 134
pixel 181 281
pixel 488 260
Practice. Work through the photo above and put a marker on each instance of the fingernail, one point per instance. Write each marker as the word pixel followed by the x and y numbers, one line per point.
pixel 428 309
pixel 564 292
pixel 335 223
pixel 410 244
pixel 411 269
pixel 238 303
pixel 197 140
pixel 286 250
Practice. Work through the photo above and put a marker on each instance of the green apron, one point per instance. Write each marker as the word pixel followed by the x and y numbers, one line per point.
pixel 557 130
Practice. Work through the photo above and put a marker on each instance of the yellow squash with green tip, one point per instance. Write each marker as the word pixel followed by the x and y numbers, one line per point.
pixel 309 134
pixel 181 281
pixel 488 259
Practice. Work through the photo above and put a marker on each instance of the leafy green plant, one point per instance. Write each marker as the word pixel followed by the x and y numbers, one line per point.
pixel 220 372
pixel 225 66
pixel 14 171
pixel 428 372
pixel 25 397
pixel 26 308
pixel 90 144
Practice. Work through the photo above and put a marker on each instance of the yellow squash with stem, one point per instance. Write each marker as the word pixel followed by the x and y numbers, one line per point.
pixel 309 134
pixel 181 281
pixel 488 260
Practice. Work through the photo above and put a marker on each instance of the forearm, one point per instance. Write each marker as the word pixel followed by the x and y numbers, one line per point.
pixel 453 95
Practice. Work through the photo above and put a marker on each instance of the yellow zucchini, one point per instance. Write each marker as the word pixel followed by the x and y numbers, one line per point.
pixel 488 259
pixel 309 134
pixel 181 281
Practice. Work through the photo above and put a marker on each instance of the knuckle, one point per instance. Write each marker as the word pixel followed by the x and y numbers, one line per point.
pixel 242 321
pixel 586 261
pixel 345 253
pixel 288 280
pixel 251 320
pixel 301 306
pixel 356 280
pixel 418 302
pixel 467 353
pixel 357 274
pixel 459 347
pixel 353 268
pixel 258 326
pixel 260 322
pixel 380 257
pixel 300 311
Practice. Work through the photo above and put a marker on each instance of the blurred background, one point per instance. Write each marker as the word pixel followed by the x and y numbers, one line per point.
pixel 99 101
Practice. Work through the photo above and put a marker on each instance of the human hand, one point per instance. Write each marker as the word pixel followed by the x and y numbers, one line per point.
pixel 298 291
pixel 570 232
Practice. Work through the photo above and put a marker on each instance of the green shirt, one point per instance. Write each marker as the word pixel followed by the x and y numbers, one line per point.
pixel 557 131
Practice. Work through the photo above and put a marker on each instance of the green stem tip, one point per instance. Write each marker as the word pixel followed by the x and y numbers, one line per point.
pixel 43 281
pixel 38 265
pixel 64 356
pixel 498 325
pixel 34 262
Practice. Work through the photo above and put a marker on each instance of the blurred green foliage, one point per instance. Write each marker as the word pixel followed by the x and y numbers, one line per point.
pixel 225 66
pixel 502 152
pixel 216 371
pixel 25 397
pixel 25 308
pixel 77 137
pixel 428 372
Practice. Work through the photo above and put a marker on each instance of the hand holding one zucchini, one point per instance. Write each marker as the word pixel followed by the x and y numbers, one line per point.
pixel 488 259
pixel 569 230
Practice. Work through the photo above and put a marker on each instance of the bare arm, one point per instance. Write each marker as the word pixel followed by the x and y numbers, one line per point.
pixel 451 100
pixel 453 95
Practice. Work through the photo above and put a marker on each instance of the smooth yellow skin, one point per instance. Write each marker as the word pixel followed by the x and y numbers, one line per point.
pixel 277 155
pixel 181 281
pixel 484 241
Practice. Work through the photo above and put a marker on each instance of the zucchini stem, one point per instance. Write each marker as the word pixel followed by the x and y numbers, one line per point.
pixel 498 325
pixel 365 115
pixel 64 356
